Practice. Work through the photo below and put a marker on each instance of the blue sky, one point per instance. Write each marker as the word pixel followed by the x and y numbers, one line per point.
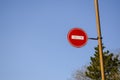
pixel 33 36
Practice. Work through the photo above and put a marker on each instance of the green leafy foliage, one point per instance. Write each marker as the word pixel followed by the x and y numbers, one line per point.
pixel 111 66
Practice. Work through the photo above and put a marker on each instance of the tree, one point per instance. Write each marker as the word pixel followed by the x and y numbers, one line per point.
pixel 80 75
pixel 111 66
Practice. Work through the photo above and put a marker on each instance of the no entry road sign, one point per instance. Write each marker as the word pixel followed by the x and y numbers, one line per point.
pixel 77 37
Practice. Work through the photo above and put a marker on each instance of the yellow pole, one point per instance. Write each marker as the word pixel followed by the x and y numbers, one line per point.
pixel 99 39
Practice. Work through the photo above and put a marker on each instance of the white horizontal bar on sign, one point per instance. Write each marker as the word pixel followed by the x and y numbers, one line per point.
pixel 76 37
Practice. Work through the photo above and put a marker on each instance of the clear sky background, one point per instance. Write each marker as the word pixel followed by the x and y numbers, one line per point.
pixel 33 36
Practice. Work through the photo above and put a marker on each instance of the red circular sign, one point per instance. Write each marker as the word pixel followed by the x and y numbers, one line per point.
pixel 77 37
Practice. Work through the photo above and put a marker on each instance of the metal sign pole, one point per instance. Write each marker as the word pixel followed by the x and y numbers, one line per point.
pixel 99 39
